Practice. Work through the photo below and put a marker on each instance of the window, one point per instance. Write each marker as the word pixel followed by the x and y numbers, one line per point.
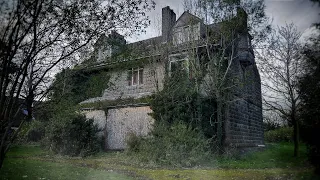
pixel 135 76
pixel 179 65
pixel 186 33
pixel 100 54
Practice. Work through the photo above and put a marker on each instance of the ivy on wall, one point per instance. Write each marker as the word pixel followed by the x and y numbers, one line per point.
pixel 180 101
pixel 75 85
pixel 104 105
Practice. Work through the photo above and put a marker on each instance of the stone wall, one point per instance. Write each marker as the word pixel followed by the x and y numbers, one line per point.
pixel 99 117
pixel 153 75
pixel 244 126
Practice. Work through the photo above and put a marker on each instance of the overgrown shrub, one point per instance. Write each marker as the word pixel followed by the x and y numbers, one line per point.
pixel 72 135
pixel 31 132
pixel 180 101
pixel 175 145
pixel 76 86
pixel 270 125
pixel 283 134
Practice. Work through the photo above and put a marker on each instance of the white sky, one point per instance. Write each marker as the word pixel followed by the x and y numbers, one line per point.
pixel 303 13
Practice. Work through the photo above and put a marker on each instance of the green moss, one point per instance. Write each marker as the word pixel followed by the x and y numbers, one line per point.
pixel 104 105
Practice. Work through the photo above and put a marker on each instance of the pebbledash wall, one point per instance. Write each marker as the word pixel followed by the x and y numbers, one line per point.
pixel 243 126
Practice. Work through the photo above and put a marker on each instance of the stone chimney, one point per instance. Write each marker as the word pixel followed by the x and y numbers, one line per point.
pixel 242 17
pixel 116 42
pixel 168 21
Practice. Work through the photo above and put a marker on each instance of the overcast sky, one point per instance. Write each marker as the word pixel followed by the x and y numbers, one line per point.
pixel 302 13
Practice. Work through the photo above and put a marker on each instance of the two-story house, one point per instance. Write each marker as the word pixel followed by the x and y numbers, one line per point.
pixel 137 70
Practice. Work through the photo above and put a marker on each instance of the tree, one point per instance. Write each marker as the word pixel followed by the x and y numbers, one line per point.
pixel 214 11
pixel 281 66
pixel 310 91
pixel 310 98
pixel 39 35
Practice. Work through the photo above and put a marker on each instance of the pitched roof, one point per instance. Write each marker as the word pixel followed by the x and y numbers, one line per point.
pixel 187 18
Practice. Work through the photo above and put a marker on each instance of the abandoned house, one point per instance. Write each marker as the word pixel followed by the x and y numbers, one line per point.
pixel 137 70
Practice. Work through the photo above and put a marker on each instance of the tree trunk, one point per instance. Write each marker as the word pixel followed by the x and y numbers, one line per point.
pixel 2 154
pixel 3 145
pixel 219 125
pixel 295 137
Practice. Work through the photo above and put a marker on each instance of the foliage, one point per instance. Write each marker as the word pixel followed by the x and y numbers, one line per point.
pixel 32 131
pixel 215 11
pixel 76 86
pixel 38 37
pixel 274 155
pixel 275 162
pixel 105 104
pixel 310 96
pixel 72 135
pixel 21 165
pixel 221 56
pixel 176 102
pixel 179 101
pixel 270 125
pixel 282 134
pixel 176 145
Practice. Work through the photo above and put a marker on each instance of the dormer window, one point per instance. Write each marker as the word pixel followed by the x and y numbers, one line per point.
pixel 186 33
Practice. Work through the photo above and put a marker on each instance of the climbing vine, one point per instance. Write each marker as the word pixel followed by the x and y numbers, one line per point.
pixel 180 101
pixel 76 85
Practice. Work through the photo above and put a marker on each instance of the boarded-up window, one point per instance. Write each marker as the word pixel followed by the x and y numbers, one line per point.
pixel 121 122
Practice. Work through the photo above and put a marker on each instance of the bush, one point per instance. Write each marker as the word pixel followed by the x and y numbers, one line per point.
pixel 271 125
pixel 283 134
pixel 72 135
pixel 180 101
pixel 31 132
pixel 175 145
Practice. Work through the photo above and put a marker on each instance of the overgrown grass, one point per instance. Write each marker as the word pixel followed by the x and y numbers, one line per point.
pixel 276 155
pixel 282 134
pixel 34 169
pixel 31 162
pixel 177 145
pixel 275 162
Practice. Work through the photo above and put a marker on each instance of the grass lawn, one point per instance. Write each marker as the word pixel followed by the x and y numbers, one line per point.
pixel 31 162
pixel 276 162
pixel 279 155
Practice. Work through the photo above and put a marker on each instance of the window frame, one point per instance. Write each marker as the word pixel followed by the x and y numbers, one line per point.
pixel 179 58
pixel 131 80
pixel 186 33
